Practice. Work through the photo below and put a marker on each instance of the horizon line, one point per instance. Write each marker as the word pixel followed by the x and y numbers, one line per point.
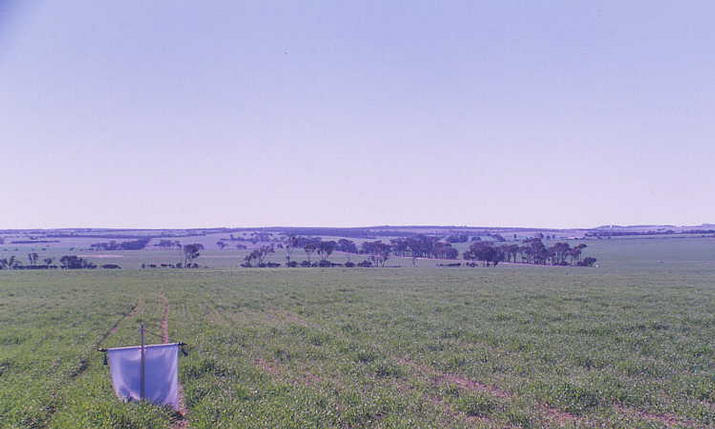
pixel 194 228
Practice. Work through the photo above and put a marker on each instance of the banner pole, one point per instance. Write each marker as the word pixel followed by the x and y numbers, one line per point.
pixel 142 391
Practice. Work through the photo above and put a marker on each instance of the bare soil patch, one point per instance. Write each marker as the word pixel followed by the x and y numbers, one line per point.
pixel 270 368
pixel 669 420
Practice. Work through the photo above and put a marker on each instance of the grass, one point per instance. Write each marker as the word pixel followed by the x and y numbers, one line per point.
pixel 618 346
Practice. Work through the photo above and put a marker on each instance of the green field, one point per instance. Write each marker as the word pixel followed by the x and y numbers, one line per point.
pixel 628 344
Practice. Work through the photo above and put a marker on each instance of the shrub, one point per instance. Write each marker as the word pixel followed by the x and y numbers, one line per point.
pixel 587 262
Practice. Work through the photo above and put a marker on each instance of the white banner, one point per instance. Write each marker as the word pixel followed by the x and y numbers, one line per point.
pixel 161 380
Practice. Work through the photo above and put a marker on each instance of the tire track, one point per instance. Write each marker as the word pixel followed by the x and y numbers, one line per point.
pixel 84 361
pixel 133 311
pixel 181 421
pixel 83 364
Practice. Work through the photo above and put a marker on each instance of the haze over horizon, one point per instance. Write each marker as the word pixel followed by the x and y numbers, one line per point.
pixel 178 114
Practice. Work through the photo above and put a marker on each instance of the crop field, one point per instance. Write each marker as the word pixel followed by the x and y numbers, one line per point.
pixel 628 344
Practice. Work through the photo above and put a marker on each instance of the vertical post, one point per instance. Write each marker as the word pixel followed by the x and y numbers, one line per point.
pixel 142 378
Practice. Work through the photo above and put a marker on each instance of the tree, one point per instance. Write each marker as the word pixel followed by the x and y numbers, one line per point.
pixel 442 250
pixel 263 251
pixel 558 253
pixel 221 244
pixel 291 243
pixel 535 251
pixel 400 246
pixel 496 256
pixel 379 252
pixel 510 252
pixel 32 257
pixel 310 248
pixel 575 253
pixel 47 261
pixel 10 263
pixel 257 255
pixel 191 253
pixel 346 246
pixel 248 259
pixel 484 251
pixel 325 249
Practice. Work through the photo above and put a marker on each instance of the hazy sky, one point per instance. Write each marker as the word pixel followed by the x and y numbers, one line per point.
pixel 141 113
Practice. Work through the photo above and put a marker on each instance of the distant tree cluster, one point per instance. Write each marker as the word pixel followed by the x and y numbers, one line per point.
pixel 257 256
pixel 488 252
pixel 168 244
pixel 224 242
pixel 260 236
pixel 532 251
pixel 191 253
pixel 9 263
pixel 457 238
pixel 378 252
pixel 164 265
pixel 310 246
pixel 138 244
pixel 67 262
pixel 423 246
pixel 346 246
pixel 74 262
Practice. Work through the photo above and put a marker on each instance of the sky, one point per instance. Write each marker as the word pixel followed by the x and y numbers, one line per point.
pixel 531 113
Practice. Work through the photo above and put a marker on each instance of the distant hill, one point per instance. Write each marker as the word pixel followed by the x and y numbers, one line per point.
pixel 371 232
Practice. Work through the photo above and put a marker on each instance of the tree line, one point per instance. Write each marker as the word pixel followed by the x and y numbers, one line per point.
pixel 531 251
pixel 376 253
pixel 66 262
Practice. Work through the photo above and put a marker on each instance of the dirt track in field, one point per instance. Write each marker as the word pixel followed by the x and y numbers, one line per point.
pixel 181 422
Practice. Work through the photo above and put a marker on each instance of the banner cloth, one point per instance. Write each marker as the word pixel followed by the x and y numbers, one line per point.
pixel 161 380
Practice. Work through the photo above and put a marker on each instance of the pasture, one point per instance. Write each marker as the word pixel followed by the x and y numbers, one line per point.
pixel 628 344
